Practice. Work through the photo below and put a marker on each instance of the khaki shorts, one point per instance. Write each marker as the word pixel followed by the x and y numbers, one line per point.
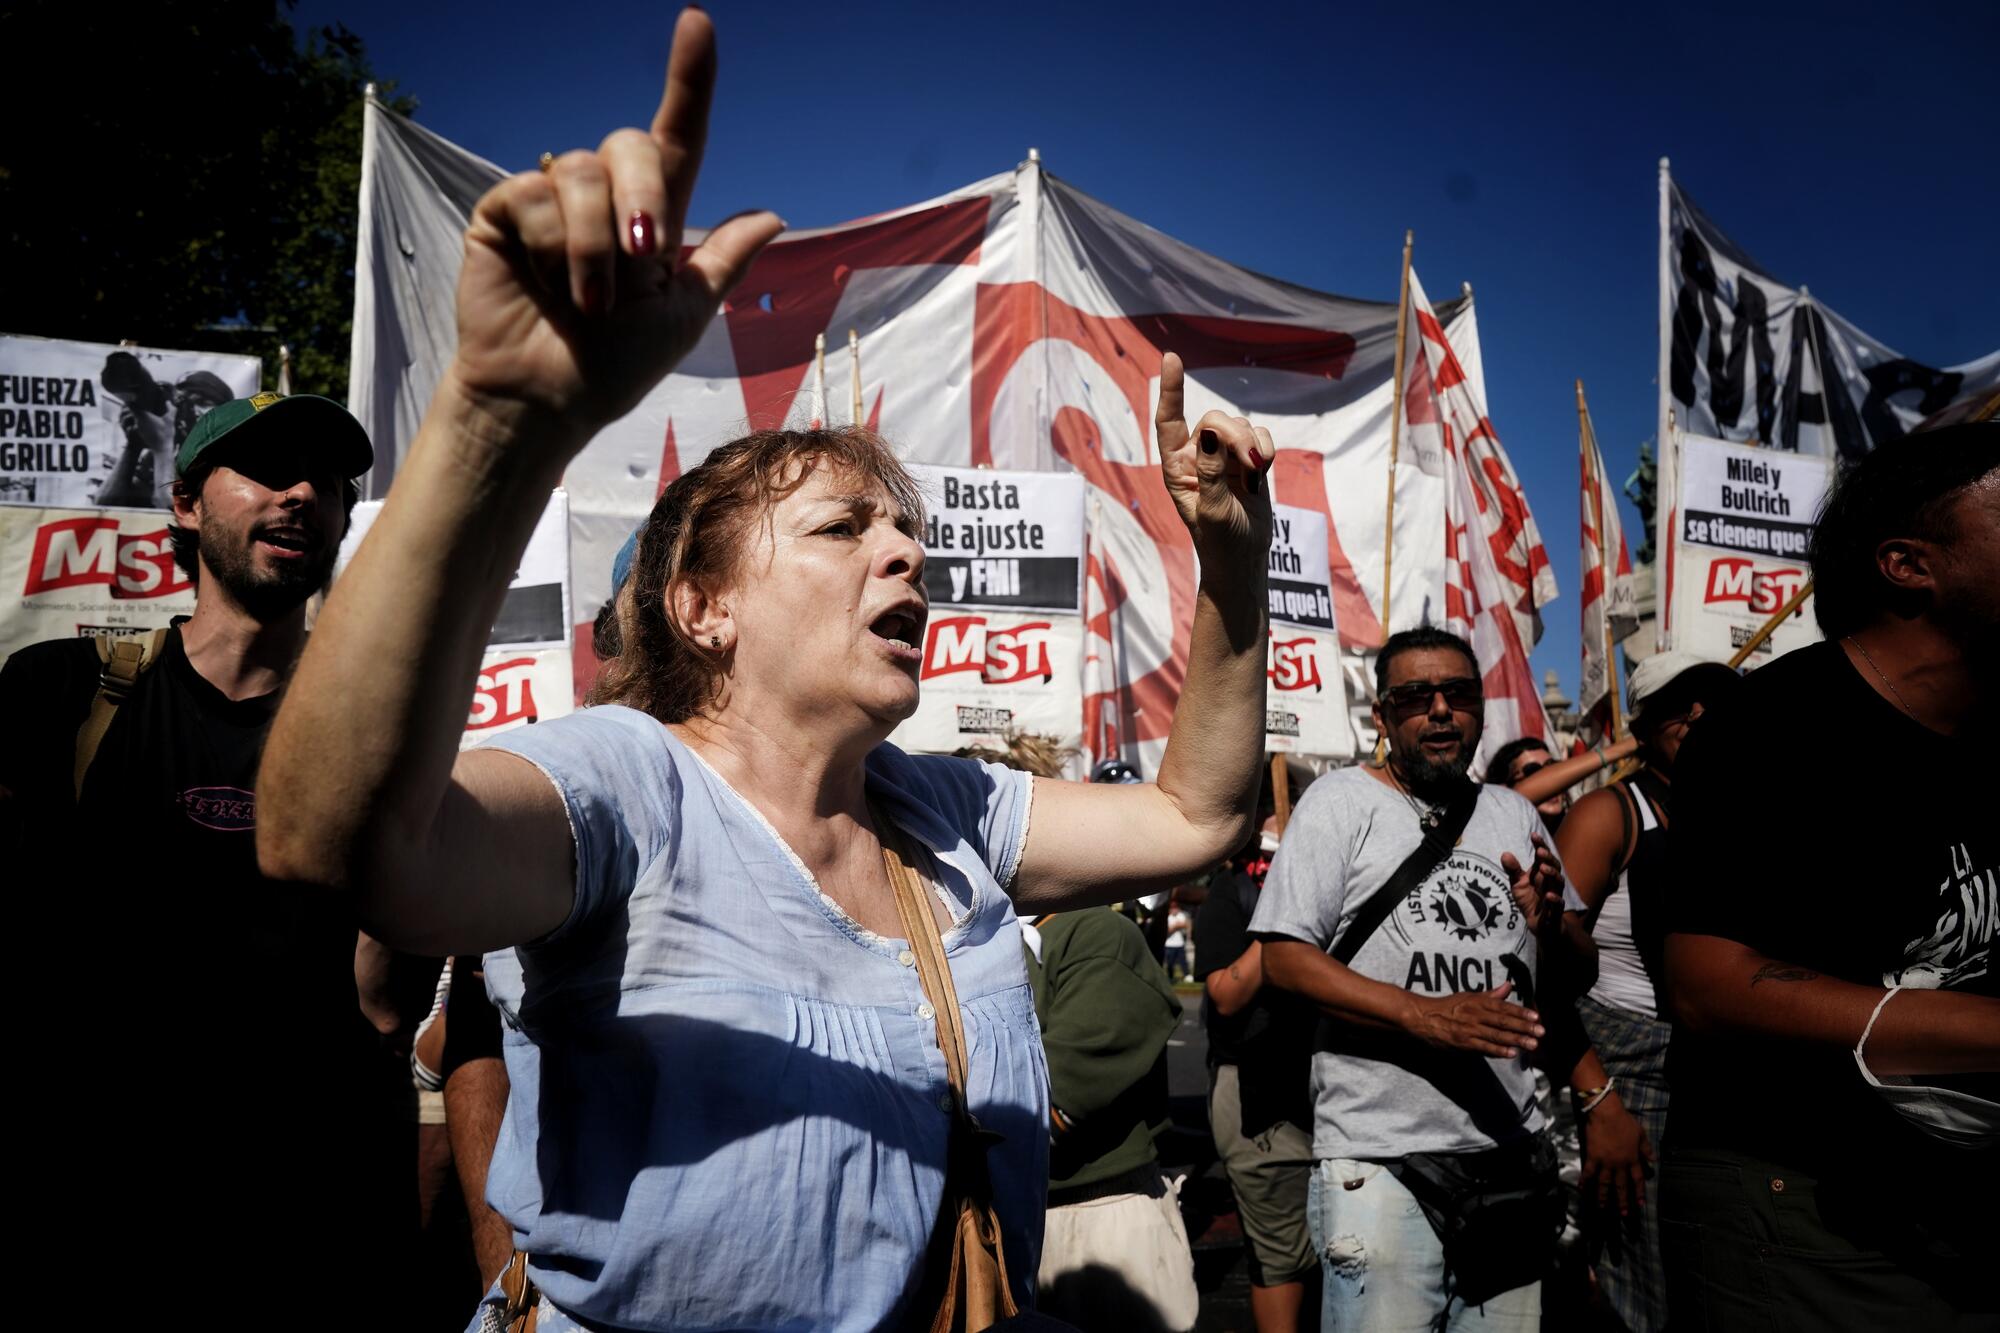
pixel 1270 1174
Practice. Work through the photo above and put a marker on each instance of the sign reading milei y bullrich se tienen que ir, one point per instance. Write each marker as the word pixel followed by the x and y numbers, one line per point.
pixel 1746 517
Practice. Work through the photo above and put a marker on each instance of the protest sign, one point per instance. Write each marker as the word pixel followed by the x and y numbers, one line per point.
pixel 986 673
pixel 1305 703
pixel 1746 517
pixel 89 423
pixel 1003 539
pixel 1003 565
pixel 67 572
pixel 525 674
pixel 1297 569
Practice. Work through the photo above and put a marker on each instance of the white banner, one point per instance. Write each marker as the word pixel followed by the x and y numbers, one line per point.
pixel 68 572
pixel 525 676
pixel 90 423
pixel 1740 554
pixel 986 673
pixel 1006 540
pixel 1015 323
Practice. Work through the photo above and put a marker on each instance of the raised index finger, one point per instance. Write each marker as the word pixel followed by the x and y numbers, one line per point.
pixel 1170 418
pixel 680 126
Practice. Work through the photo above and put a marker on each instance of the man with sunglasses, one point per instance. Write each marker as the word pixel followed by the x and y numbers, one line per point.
pixel 1430 1020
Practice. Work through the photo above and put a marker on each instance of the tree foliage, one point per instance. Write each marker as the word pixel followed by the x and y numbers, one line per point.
pixel 184 174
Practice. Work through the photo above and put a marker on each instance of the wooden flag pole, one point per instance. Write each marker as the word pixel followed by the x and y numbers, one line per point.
pixel 854 376
pixel 1281 791
pixel 1595 461
pixel 1770 626
pixel 1395 430
pixel 818 421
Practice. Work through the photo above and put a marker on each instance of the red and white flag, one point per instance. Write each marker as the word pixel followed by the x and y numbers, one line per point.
pixel 1016 323
pixel 1610 614
pixel 1497 575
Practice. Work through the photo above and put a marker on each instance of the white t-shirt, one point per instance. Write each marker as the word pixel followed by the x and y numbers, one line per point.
pixel 1383 1095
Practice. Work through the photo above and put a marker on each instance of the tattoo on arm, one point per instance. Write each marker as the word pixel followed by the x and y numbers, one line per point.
pixel 1782 972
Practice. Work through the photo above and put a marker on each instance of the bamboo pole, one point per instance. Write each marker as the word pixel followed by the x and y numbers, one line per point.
pixel 1770 626
pixel 854 371
pixel 1281 791
pixel 1595 460
pixel 1395 430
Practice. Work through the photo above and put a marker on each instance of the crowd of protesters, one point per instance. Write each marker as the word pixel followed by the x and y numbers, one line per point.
pixel 737 1016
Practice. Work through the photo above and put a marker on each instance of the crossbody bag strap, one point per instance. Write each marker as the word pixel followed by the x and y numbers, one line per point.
pixel 1438 840
pixel 933 967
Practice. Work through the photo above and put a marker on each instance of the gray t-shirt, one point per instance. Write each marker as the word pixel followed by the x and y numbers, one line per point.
pixel 1381 1095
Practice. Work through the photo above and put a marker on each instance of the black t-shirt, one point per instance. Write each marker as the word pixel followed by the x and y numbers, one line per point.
pixel 1818 824
pixel 1269 1040
pixel 203 1040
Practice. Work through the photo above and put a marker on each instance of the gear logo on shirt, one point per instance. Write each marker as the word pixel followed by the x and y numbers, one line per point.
pixel 1469 910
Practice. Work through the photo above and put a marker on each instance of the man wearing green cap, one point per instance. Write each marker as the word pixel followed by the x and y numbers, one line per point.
pixel 219 1046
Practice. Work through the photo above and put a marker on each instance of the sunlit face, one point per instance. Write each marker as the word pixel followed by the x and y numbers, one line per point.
pixel 826 606
pixel 1432 712
pixel 270 522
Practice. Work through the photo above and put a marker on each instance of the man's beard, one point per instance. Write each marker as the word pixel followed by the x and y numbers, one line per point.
pixel 1432 779
pixel 267 594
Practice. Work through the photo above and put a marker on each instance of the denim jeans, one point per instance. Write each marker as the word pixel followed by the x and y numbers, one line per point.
pixel 1383 1265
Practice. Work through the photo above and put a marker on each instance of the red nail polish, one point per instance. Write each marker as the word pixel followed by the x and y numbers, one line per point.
pixel 642 232
pixel 1209 444
pixel 593 294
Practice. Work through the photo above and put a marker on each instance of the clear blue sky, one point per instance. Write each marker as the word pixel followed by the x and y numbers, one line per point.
pixel 1847 147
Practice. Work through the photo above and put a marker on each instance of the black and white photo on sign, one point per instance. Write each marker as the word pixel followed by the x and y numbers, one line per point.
pixel 96 424
pixel 1003 539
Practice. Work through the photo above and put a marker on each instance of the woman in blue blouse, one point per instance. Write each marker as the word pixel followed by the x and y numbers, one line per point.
pixel 729 1109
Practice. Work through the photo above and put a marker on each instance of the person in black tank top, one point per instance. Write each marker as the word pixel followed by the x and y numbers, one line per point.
pixel 1614 845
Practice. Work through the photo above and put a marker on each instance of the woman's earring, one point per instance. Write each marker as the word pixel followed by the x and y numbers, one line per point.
pixel 715 640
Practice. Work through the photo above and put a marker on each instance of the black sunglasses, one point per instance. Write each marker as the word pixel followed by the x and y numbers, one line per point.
pixel 1463 694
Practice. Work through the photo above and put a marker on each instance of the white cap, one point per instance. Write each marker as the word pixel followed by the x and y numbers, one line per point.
pixel 1655 673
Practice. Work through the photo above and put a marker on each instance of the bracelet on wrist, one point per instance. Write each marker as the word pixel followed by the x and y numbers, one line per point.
pixel 1595 1097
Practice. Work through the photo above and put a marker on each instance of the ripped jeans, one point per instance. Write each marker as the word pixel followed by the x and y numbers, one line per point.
pixel 1383 1265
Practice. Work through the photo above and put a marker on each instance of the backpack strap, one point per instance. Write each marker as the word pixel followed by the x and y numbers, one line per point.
pixel 122 661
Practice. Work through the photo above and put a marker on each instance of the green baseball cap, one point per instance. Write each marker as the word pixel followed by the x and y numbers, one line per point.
pixel 307 419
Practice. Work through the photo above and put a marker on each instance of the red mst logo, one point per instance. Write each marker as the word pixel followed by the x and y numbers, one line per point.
pixel 76 552
pixel 999 656
pixel 504 694
pixel 1294 664
pixel 1735 579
